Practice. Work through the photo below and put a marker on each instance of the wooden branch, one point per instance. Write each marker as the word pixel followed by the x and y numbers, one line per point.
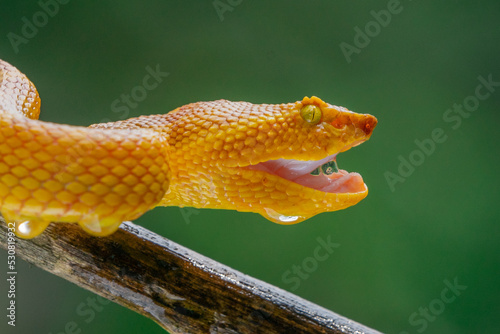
pixel 183 291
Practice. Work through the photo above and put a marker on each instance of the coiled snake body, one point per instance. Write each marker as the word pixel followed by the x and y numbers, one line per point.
pixel 225 155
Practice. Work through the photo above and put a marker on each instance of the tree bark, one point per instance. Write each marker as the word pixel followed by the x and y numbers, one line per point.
pixel 183 291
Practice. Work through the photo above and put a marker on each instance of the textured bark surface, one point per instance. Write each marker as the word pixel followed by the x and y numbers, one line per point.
pixel 181 290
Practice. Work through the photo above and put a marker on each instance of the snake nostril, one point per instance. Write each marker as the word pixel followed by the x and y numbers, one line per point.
pixel 370 123
pixel 368 128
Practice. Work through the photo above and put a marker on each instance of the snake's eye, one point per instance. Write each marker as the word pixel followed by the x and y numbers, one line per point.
pixel 311 114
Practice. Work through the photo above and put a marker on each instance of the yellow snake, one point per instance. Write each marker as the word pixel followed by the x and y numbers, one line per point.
pixel 263 158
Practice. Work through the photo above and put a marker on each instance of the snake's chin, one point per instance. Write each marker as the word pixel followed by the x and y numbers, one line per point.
pixel 300 172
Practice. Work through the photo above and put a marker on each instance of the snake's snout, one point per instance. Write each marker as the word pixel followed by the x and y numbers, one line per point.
pixel 363 125
pixel 358 126
pixel 368 123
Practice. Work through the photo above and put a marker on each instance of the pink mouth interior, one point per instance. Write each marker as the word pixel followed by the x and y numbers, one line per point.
pixel 300 172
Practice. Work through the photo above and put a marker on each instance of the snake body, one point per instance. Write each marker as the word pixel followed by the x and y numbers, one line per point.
pixel 220 154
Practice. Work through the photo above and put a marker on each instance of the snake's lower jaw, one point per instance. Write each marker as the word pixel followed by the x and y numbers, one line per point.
pixel 305 202
pixel 312 207
pixel 315 186
pixel 306 188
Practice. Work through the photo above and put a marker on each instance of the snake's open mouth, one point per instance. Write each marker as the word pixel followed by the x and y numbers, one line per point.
pixel 321 174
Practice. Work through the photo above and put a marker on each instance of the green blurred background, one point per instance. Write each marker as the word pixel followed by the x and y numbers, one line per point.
pixel 398 246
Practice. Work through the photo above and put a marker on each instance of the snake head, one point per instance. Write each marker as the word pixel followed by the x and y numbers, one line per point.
pixel 276 160
pixel 303 161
